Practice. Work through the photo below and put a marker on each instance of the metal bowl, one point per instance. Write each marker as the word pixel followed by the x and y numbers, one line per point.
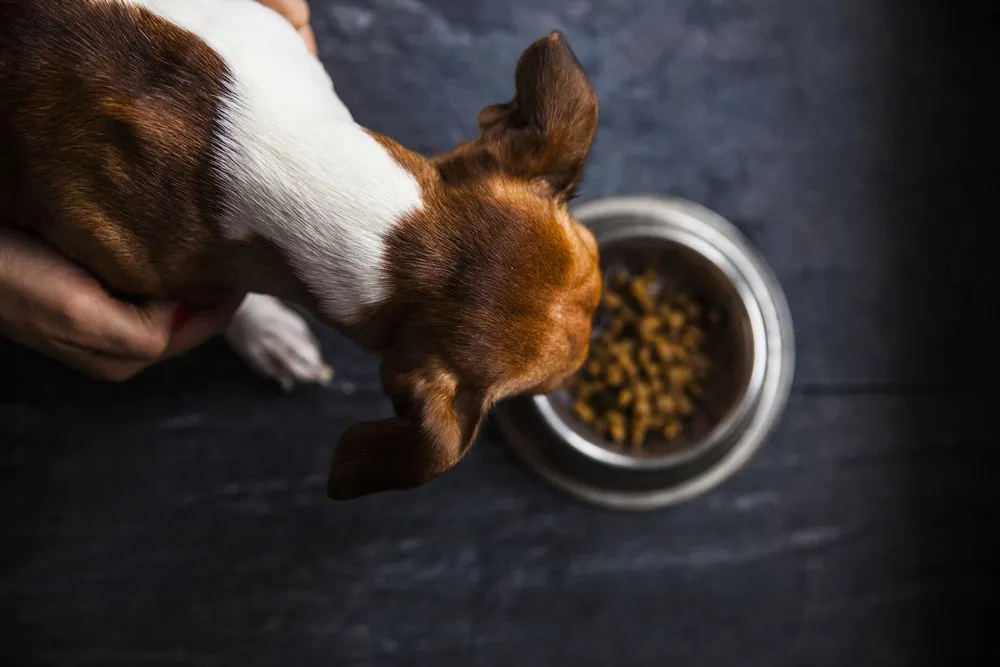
pixel 714 261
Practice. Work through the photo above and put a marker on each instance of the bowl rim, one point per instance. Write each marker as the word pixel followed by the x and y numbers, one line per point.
pixel 708 249
pixel 537 448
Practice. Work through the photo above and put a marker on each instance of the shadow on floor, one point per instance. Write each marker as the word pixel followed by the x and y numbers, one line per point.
pixel 941 212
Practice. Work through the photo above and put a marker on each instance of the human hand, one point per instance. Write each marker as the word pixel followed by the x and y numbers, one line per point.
pixel 297 12
pixel 53 306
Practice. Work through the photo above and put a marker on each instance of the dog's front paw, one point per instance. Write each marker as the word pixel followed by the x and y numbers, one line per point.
pixel 277 343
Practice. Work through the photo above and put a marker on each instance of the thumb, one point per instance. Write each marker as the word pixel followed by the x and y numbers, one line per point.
pixel 134 331
pixel 160 315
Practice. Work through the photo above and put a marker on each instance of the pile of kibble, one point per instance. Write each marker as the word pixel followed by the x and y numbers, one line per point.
pixel 643 380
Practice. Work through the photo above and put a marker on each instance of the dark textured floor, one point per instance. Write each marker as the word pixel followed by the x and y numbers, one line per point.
pixel 181 519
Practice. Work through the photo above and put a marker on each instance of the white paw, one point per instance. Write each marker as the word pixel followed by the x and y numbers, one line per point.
pixel 277 343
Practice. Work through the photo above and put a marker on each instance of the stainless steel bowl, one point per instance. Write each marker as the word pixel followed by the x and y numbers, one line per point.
pixel 714 260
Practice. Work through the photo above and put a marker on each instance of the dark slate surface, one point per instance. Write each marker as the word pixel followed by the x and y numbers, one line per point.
pixel 181 519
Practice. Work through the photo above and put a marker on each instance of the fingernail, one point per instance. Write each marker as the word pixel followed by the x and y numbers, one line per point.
pixel 181 315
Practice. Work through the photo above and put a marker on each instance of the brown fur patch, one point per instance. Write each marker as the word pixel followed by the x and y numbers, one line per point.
pixel 108 117
pixel 494 284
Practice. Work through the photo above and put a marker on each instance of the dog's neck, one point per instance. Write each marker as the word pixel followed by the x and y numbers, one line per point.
pixel 322 191
pixel 295 169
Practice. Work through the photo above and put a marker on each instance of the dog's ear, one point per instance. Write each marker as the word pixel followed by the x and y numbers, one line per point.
pixel 544 134
pixel 436 421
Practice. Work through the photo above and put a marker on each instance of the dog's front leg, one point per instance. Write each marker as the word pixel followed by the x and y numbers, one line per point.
pixel 276 342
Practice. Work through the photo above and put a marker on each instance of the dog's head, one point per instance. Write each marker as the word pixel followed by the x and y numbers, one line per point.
pixel 495 285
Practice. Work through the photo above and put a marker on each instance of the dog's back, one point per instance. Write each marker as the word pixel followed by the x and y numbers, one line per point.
pixel 105 118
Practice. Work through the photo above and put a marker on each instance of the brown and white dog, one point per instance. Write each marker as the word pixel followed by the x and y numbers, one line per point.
pixel 190 148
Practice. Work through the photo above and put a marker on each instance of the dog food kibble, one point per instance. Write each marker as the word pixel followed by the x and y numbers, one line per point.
pixel 644 376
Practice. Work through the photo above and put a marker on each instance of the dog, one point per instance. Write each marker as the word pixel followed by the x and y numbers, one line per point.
pixel 194 148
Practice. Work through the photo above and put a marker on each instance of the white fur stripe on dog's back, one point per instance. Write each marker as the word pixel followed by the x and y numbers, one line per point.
pixel 299 171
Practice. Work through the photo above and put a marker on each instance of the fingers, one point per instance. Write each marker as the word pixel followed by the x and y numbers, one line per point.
pixel 297 13
pixel 309 38
pixel 149 337
pixel 115 329
pixel 105 338
pixel 153 332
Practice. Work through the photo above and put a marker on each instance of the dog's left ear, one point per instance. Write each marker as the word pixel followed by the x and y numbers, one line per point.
pixel 436 422
pixel 544 134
